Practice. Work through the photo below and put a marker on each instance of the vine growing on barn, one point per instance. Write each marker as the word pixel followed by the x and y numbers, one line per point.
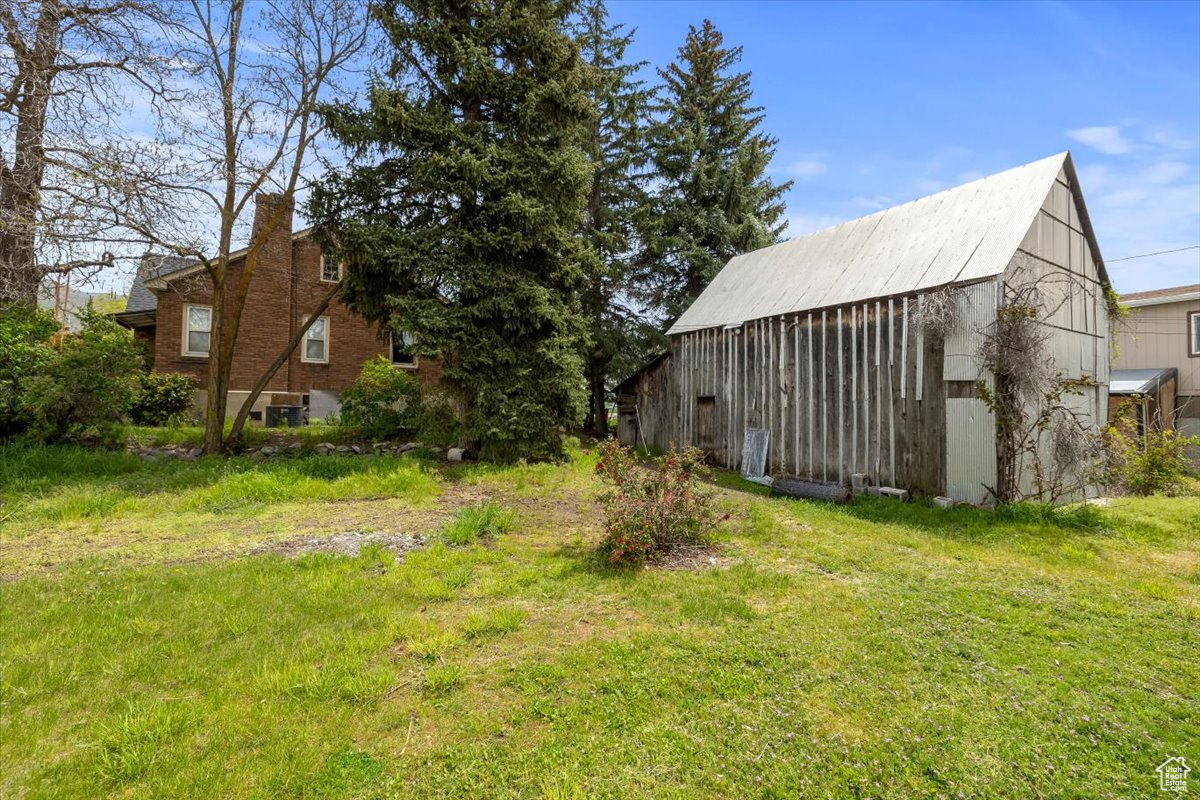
pixel 1037 429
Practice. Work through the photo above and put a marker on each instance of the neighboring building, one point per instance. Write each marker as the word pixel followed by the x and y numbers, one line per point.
pixel 818 339
pixel 1161 333
pixel 1151 392
pixel 170 308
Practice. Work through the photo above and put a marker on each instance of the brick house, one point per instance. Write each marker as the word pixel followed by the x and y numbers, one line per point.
pixel 170 307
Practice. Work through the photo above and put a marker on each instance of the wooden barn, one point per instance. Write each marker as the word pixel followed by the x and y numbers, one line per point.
pixel 825 341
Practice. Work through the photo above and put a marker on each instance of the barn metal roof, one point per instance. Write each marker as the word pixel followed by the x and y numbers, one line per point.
pixel 959 235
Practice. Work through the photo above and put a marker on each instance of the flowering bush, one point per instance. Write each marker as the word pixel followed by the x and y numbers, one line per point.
pixel 649 509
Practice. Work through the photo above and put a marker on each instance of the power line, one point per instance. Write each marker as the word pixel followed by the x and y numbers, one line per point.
pixel 1147 255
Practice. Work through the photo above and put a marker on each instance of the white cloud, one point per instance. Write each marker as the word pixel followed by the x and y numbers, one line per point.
pixel 1166 136
pixel 808 167
pixel 1161 173
pixel 1106 139
pixel 802 223
pixel 872 203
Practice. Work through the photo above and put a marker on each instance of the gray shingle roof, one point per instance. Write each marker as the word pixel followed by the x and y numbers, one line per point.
pixel 153 266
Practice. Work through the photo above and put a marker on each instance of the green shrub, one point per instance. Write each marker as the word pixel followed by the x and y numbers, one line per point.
pixel 1148 463
pixel 24 350
pixel 382 402
pixel 438 423
pixel 649 511
pixel 163 397
pixel 478 522
pixel 85 386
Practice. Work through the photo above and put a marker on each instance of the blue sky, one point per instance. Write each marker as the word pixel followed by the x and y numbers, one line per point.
pixel 875 104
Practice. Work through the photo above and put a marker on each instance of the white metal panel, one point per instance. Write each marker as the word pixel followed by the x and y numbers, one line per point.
pixel 322 403
pixel 963 234
pixel 970 450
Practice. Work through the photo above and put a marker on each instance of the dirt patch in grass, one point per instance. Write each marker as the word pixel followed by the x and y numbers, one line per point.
pixel 693 557
pixel 349 543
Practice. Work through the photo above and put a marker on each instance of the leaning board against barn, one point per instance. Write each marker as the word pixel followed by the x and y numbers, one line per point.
pixel 826 340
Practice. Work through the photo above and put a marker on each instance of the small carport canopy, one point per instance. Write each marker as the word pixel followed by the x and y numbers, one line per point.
pixel 1155 387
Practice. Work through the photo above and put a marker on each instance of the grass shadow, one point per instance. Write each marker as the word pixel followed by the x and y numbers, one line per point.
pixel 64 481
pixel 969 523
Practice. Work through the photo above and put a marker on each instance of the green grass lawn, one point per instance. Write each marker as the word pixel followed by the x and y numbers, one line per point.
pixel 154 643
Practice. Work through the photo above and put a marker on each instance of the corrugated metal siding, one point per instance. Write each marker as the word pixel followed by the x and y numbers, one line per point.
pixel 970 427
pixel 964 234
pixel 970 450
pixel 976 312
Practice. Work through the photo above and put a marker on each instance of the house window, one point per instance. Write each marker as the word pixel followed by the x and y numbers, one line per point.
pixel 316 342
pixel 197 328
pixel 1194 334
pixel 331 271
pixel 402 355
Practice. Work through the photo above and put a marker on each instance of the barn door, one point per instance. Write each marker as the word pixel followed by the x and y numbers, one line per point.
pixel 706 423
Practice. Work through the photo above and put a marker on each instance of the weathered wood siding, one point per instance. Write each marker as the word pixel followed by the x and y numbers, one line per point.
pixel 842 390
pixel 644 407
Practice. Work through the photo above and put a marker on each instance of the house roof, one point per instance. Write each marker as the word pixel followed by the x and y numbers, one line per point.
pixel 1139 381
pixel 649 365
pixel 960 235
pixel 195 265
pixel 1155 297
pixel 155 272
pixel 142 303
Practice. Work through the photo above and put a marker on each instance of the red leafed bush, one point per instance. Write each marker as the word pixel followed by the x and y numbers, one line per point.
pixel 651 508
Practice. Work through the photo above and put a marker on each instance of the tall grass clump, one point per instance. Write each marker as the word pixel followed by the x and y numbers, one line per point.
pixel 479 522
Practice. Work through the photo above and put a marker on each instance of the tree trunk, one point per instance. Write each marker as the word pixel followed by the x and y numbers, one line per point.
pixel 218 375
pixel 20 183
pixel 597 415
pixel 239 422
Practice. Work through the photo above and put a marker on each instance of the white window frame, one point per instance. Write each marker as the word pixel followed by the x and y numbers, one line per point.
pixel 304 345
pixel 187 330
pixel 392 350
pixel 321 271
pixel 1193 333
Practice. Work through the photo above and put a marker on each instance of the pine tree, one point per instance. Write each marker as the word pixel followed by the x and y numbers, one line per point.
pixel 713 199
pixel 617 152
pixel 464 231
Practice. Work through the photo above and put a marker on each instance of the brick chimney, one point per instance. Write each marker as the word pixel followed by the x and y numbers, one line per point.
pixel 277 252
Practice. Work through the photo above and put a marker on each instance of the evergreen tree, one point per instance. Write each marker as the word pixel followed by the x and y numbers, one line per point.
pixel 464 231
pixel 617 151
pixel 713 199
